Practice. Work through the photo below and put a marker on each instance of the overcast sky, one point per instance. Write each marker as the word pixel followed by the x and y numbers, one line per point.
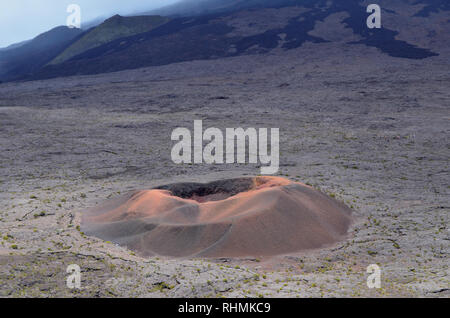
pixel 24 19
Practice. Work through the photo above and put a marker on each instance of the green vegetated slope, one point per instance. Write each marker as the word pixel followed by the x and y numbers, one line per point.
pixel 113 28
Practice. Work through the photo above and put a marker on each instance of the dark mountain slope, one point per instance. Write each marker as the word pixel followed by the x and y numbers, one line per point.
pixel 14 46
pixel 202 7
pixel 178 40
pixel 197 7
pixel 31 56
pixel 432 6
pixel 111 29
pixel 209 36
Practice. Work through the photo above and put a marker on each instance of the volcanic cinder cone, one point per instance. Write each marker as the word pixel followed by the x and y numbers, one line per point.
pixel 259 216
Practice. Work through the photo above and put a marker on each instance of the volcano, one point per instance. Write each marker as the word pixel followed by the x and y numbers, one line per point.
pixel 260 216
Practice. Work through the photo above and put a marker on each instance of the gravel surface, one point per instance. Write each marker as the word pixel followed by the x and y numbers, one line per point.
pixel 369 130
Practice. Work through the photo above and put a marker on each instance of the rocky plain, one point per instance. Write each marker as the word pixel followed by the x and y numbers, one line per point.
pixel 368 129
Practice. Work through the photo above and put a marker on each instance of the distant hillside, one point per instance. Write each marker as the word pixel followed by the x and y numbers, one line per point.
pixel 113 28
pixel 31 56
pixel 211 29
pixel 432 6
pixel 196 7
pixel 237 32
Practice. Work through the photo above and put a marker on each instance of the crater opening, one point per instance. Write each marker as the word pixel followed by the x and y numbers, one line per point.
pixel 214 191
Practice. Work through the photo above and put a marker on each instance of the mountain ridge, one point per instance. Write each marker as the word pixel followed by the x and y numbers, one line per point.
pixel 213 35
pixel 113 28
